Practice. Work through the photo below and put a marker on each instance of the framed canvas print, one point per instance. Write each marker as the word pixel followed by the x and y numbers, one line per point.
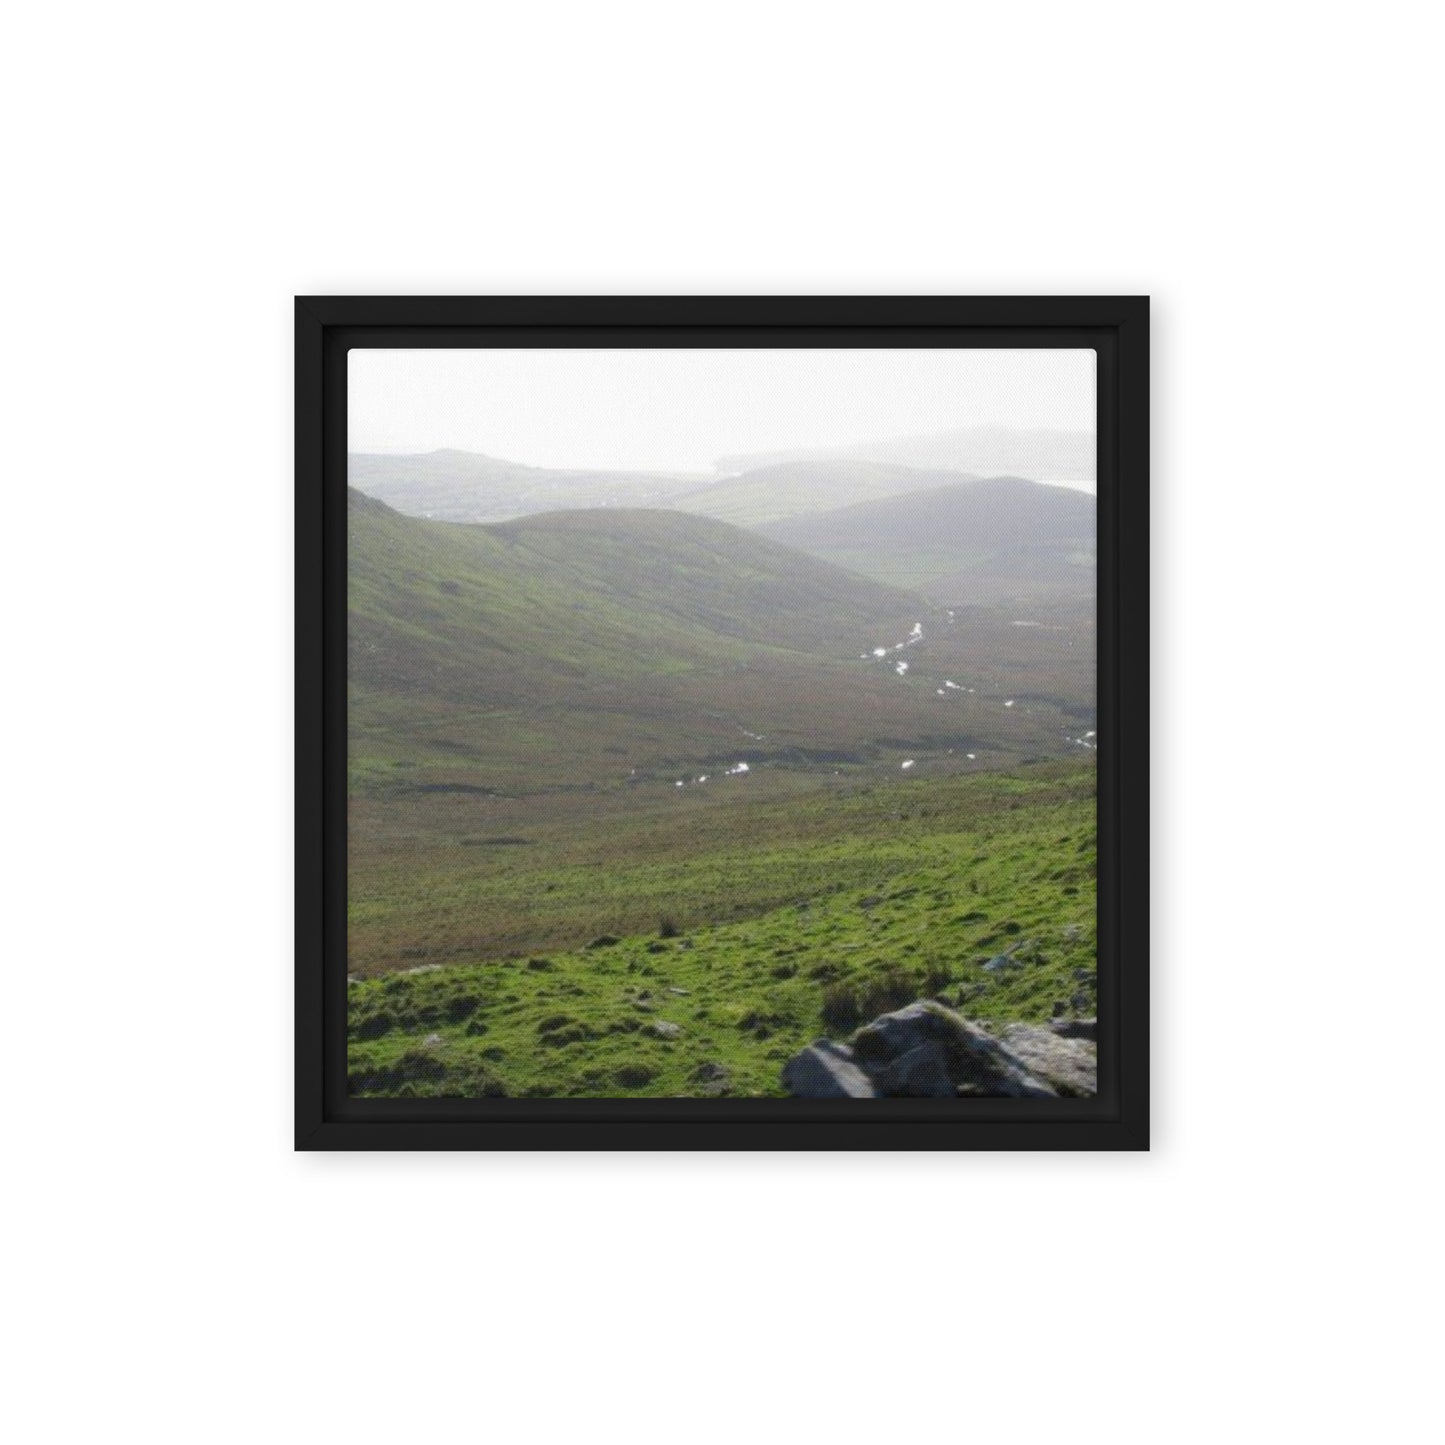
pixel 722 723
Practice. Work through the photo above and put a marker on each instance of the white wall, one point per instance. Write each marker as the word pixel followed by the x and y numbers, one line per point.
pixel 1268 173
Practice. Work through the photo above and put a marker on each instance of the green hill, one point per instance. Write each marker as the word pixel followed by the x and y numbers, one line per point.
pixel 548 602
pixel 577 649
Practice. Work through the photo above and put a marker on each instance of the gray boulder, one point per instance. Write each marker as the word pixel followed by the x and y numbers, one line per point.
pixel 1070 1066
pixel 826 1070
pixel 921 1073
pixel 1076 1028
pixel 977 1063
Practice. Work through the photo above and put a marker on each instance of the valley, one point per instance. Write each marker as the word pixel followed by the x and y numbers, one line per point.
pixel 641 801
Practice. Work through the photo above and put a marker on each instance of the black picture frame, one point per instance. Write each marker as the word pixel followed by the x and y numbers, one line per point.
pixel 1117 328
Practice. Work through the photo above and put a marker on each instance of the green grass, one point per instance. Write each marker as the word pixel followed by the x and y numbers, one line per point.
pixel 852 901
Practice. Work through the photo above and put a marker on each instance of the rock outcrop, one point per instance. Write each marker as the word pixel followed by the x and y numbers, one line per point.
pixel 826 1070
pixel 927 1051
pixel 1070 1065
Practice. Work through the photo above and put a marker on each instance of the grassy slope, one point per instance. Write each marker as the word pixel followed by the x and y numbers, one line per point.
pixel 848 903
pixel 474 613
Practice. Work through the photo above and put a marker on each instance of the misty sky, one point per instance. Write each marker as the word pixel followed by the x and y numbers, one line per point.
pixel 680 409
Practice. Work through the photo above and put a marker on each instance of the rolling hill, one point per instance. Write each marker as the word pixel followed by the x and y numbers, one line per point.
pixel 980 541
pixel 548 603
pixel 616 647
pixel 547 652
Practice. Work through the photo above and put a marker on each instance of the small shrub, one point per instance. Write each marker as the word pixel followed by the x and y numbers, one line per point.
pixel 419 1064
pixel 560 1031
pixel 840 1007
pixel 375 1025
pixel 414 1074
pixel 667 927
pixel 634 1076
pixel 882 995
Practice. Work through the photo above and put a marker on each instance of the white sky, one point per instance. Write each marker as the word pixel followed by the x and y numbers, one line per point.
pixel 680 410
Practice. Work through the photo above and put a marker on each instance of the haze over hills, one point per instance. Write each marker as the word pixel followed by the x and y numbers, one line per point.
pixel 977 541
pixel 778 490
pixel 455 486
pixel 1041 454
pixel 458 486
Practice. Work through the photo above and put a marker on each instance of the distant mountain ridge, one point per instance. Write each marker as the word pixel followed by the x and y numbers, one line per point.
pixel 778 490
pixel 457 486
pixel 1042 454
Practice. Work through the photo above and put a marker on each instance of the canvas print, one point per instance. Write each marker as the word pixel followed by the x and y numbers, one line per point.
pixel 721 723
